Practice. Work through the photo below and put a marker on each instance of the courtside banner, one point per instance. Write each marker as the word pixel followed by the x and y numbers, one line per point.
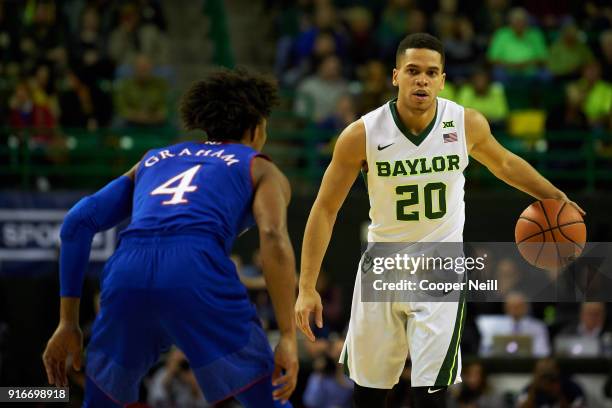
pixel 29 231
pixel 485 272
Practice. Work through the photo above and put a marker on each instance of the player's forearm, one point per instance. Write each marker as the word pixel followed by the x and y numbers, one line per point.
pixel 521 175
pixel 279 270
pixel 69 310
pixel 316 239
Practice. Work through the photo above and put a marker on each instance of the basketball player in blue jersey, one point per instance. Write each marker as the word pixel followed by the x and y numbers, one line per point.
pixel 171 281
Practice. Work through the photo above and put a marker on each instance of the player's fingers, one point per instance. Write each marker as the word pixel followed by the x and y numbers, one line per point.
pixel 283 392
pixel 319 316
pixel 57 374
pixel 48 369
pixel 76 360
pixel 298 318
pixel 580 210
pixel 305 325
pixel 276 373
pixel 308 332
pixel 62 373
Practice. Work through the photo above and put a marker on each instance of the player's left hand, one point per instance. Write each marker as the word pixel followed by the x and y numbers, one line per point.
pixel 66 341
pixel 286 368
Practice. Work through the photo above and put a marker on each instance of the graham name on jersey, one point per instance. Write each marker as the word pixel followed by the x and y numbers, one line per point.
pixel 420 165
pixel 166 154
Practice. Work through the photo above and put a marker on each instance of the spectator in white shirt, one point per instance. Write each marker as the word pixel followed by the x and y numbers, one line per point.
pixel 515 321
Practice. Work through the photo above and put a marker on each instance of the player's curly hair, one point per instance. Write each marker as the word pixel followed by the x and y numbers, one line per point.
pixel 228 102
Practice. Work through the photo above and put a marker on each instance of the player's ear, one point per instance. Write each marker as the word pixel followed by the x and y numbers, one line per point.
pixel 443 81
pixel 394 76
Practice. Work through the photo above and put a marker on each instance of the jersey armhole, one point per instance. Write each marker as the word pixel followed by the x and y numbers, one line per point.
pixel 140 163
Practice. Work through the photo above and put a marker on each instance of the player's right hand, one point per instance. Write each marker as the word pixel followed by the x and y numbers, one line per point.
pixel 286 367
pixel 66 341
pixel 308 301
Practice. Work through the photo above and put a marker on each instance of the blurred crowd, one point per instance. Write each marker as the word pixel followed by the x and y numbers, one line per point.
pixel 535 65
pixel 82 64
pixel 509 326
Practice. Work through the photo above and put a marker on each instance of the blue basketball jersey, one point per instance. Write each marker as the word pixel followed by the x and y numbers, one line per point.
pixel 194 187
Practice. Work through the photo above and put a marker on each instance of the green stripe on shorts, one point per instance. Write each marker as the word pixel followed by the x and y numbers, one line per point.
pixel 345 362
pixel 450 366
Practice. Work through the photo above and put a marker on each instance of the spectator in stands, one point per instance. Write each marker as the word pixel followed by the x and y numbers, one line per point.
pixel 569 54
pixel 344 114
pixel 377 88
pixel 549 388
pixel 485 96
pixel 362 42
pixel 44 37
pixel 393 25
pixel 151 12
pixel 328 386
pixel 77 109
pixel 174 385
pixel 26 113
pixel 592 321
pixel 417 22
pixel 568 116
pixel 142 100
pixel 509 277
pixel 318 95
pixel 324 46
pixel 516 321
pixel 461 50
pixel 42 86
pixel 517 50
pixel 490 17
pixel 595 94
pixel 474 391
pixel 605 44
pixel 88 51
pixel 325 21
pixel 131 38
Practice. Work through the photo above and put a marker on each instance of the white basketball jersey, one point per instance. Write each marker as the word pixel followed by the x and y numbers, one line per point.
pixel 415 183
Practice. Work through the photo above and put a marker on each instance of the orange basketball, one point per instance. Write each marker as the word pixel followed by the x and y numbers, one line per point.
pixel 550 234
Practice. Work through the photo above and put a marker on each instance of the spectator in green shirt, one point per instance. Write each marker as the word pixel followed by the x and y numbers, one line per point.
pixel 595 94
pixel 485 96
pixel 142 100
pixel 518 50
pixel 569 54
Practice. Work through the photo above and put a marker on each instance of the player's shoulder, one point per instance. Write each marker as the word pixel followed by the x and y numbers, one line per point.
pixel 475 121
pixel 476 126
pixel 262 167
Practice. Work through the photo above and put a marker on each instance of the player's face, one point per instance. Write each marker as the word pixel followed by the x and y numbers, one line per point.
pixel 419 77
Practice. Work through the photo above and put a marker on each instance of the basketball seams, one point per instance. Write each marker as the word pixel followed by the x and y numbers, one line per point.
pixel 568 238
pixel 541 232
pixel 569 223
pixel 550 226
pixel 549 230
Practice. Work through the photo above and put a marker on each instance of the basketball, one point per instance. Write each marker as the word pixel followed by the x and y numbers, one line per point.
pixel 550 234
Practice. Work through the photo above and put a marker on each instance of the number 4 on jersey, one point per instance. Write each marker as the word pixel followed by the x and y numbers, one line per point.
pixel 184 186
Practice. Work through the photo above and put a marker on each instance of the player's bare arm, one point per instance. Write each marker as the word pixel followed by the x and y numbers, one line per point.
pixel 67 340
pixel 272 196
pixel 504 164
pixel 348 158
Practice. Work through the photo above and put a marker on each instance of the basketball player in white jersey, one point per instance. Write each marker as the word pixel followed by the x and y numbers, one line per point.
pixel 414 150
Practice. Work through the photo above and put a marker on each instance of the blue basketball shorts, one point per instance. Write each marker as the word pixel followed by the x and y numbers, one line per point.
pixel 175 289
